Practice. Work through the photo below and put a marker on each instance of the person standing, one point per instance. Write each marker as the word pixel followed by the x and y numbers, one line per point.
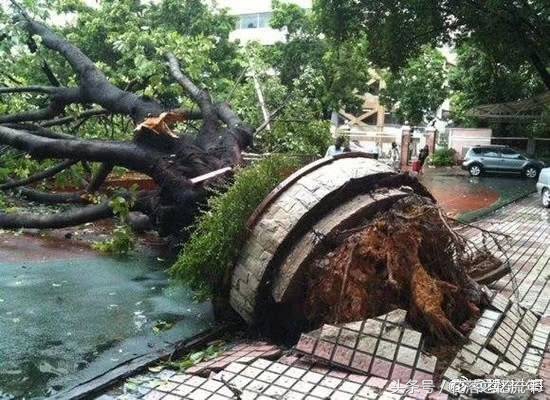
pixel 395 157
pixel 422 156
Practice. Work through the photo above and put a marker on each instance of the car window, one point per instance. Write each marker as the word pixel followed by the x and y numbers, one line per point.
pixel 511 154
pixel 490 153
pixel 477 150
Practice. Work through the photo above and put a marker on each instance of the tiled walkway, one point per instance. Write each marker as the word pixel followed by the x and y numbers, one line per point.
pixel 527 225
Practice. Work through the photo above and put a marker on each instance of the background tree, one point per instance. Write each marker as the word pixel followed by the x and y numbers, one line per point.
pixel 480 79
pixel 339 70
pixel 419 88
pixel 512 32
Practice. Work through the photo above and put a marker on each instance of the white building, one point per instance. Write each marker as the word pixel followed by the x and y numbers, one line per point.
pixel 253 19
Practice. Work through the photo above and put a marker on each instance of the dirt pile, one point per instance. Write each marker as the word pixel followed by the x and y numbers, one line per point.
pixel 407 257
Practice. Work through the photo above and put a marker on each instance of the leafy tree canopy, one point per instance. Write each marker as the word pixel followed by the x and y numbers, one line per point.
pixel 419 88
pixel 339 69
pixel 512 32
pixel 480 79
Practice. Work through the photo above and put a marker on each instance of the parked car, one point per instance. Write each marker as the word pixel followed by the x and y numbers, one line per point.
pixel 543 187
pixel 481 159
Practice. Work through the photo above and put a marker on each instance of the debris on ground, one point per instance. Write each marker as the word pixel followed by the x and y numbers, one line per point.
pixel 244 353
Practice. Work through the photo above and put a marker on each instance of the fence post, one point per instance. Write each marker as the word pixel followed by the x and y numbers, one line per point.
pixel 431 138
pixel 405 143
pixel 531 146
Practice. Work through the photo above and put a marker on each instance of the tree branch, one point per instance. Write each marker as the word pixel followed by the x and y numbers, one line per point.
pixel 30 89
pixel 200 96
pixel 128 155
pixel 94 86
pixel 60 220
pixel 39 196
pixel 67 120
pixel 60 98
pixel 98 179
pixel 40 131
pixel 39 176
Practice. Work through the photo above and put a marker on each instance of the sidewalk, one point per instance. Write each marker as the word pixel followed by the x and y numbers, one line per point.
pixel 528 225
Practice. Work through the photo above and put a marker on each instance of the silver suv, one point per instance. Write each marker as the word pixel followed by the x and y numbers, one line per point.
pixel 480 159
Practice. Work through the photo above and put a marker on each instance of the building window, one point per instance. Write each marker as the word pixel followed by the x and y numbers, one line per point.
pixel 263 19
pixel 253 21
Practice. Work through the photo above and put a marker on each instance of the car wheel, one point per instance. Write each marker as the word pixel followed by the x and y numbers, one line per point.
pixel 531 172
pixel 475 170
pixel 546 198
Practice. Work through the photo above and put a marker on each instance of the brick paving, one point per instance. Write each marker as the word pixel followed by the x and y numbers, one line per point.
pixel 528 225
pixel 506 337
pixel 381 346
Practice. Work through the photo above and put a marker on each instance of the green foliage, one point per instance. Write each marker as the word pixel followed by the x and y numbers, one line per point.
pixel 419 88
pixel 338 70
pixel 122 239
pixel 479 78
pixel 3 202
pixel 510 32
pixel 121 243
pixel 444 158
pixel 299 128
pixel 208 257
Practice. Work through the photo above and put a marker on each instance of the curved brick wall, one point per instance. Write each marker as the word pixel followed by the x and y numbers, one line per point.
pixel 286 210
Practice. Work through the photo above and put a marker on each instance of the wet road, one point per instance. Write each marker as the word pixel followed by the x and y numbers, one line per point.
pixel 470 198
pixel 76 314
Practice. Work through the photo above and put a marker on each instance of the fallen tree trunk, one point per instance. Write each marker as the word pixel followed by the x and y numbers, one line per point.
pixel 171 160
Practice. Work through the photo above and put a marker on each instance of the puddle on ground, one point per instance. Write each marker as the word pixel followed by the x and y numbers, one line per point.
pixel 463 195
pixel 64 322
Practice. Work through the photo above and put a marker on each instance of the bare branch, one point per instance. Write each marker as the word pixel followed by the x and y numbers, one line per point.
pixel 60 98
pixel 67 120
pixel 94 86
pixel 30 89
pixel 98 179
pixel 200 96
pixel 40 131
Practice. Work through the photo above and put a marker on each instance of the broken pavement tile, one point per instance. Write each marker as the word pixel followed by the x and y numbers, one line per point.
pixel 383 347
pixel 244 353
pixel 501 343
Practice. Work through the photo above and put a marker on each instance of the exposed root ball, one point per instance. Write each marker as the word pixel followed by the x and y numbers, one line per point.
pixel 408 257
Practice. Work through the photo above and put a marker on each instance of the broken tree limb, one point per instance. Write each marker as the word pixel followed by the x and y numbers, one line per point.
pixel 100 176
pixel 40 176
pixel 41 197
pixel 125 154
pixel 60 220
pixel 172 160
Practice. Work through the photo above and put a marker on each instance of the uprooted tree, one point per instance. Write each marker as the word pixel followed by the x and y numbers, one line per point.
pixel 171 160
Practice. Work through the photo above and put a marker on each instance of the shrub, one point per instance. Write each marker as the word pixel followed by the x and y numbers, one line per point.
pixel 207 259
pixel 123 240
pixel 444 158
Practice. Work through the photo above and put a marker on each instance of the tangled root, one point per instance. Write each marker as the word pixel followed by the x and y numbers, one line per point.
pixel 407 257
